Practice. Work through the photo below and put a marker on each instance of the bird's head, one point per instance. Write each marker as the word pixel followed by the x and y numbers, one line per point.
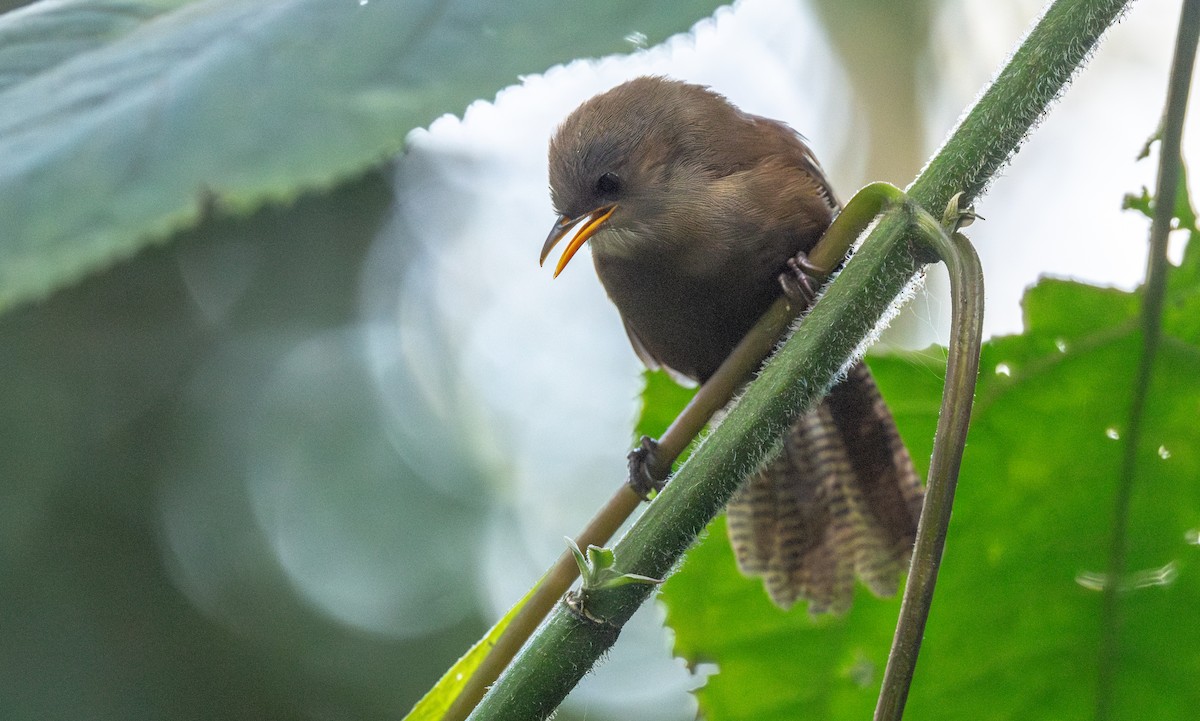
pixel 626 164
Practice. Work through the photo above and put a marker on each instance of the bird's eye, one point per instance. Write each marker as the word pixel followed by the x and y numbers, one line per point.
pixel 608 184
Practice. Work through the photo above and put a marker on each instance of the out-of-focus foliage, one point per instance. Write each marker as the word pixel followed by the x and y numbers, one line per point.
pixel 201 506
pixel 1016 624
pixel 434 704
pixel 137 584
pixel 197 480
pixel 122 121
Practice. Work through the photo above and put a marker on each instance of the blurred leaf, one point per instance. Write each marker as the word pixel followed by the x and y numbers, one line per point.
pixel 111 443
pixel 123 121
pixel 1185 215
pixel 1181 312
pixel 1015 627
pixel 1142 202
pixel 434 704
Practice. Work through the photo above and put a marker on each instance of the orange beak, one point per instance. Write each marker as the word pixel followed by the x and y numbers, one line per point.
pixel 585 226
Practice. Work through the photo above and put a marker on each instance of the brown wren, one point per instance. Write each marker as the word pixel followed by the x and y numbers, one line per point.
pixel 692 209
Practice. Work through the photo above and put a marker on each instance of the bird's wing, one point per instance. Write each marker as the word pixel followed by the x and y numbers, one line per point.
pixel 802 155
pixel 647 358
pixel 643 353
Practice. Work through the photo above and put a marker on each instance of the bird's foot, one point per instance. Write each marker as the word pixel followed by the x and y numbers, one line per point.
pixel 641 460
pixel 798 281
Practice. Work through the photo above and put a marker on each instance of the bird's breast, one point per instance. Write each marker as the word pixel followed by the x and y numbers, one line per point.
pixel 687 316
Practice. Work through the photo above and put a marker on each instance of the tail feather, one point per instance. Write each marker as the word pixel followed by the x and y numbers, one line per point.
pixel 842 498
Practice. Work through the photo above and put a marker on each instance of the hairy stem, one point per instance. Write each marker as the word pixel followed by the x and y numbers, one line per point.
pixel 567 646
pixel 715 394
pixel 962 370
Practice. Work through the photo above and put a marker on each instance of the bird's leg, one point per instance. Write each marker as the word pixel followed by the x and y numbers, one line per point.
pixel 806 270
pixel 798 281
pixel 643 460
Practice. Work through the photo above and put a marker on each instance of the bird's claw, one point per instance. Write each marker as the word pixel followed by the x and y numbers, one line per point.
pixel 641 460
pixel 797 280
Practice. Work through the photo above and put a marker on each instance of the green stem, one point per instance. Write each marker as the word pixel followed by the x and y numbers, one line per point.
pixel 541 600
pixel 962 369
pixel 715 394
pixel 1170 165
pixel 830 251
pixel 712 396
pixel 567 646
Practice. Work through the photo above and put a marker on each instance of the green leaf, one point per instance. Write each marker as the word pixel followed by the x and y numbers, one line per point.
pixel 616 580
pixel 122 122
pixel 772 664
pixel 580 560
pixel 1142 202
pixel 598 571
pixel 434 704
pixel 1015 626
pixel 600 559
pixel 1184 214
pixel 662 399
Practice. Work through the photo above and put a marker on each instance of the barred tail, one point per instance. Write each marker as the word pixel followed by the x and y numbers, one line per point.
pixel 842 498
